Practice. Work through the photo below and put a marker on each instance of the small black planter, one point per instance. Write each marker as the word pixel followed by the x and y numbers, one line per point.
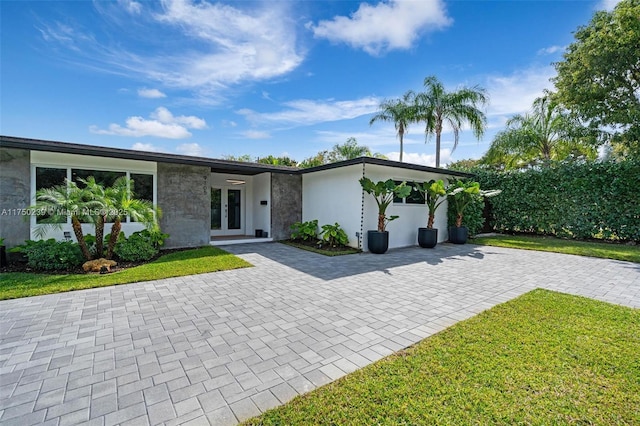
pixel 378 242
pixel 458 235
pixel 3 256
pixel 427 237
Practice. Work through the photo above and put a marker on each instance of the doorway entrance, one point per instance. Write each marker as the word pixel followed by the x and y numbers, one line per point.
pixel 227 211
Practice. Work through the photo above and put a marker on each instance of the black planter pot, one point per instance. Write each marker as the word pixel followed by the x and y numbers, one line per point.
pixel 378 242
pixel 3 256
pixel 427 237
pixel 458 235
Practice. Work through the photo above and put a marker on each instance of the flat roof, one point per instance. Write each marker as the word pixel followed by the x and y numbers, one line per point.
pixel 216 165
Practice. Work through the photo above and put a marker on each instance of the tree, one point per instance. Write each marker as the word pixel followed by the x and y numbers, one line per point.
pixel 319 159
pixel 437 107
pixel 246 158
pixel 398 111
pixel 62 201
pixel 348 151
pixel 121 202
pixel 277 161
pixel 599 77
pixel 546 133
pixel 98 194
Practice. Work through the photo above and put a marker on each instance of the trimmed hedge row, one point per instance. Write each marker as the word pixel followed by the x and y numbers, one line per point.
pixel 573 200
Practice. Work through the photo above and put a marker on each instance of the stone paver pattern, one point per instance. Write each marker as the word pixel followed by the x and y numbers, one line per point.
pixel 219 348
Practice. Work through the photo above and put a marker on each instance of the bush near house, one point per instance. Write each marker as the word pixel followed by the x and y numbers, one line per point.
pixel 331 241
pixel 51 255
pixel 569 199
pixel 305 231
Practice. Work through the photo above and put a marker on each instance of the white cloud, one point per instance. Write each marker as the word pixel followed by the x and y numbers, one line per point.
pixel 308 112
pixel 395 24
pixel 163 125
pixel 550 50
pixel 256 134
pixel 608 5
pixel 138 146
pixel 193 149
pixel 423 159
pixel 151 93
pixel 133 7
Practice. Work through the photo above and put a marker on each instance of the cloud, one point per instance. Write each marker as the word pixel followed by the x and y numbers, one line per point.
pixel 423 159
pixel 308 112
pixel 190 149
pixel 133 7
pixel 550 50
pixel 255 134
pixel 608 5
pixel 395 24
pixel 151 93
pixel 162 124
pixel 138 146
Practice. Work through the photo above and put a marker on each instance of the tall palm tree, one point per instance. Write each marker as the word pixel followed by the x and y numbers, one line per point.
pixel 121 202
pixel 62 201
pixel 400 112
pixel 437 107
pixel 546 133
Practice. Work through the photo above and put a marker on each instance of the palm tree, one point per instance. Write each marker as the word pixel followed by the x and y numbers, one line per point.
pixel 98 195
pixel 437 107
pixel 348 151
pixel 546 133
pixel 398 111
pixel 121 202
pixel 62 201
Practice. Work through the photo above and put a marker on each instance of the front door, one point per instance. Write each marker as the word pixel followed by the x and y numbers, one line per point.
pixel 227 211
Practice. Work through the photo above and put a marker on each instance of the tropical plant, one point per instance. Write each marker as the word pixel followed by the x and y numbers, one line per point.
pixel 305 231
pixel 383 193
pixel 51 255
pixel 138 247
pixel 98 216
pixel 462 193
pixel 436 108
pixel 120 202
pixel 334 235
pixel 400 112
pixel 277 161
pixel 62 201
pixel 547 133
pixel 435 194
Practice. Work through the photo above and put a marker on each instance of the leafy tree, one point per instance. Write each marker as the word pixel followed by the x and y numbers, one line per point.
pixel 66 200
pixel 464 165
pixel 546 133
pixel 400 112
pixel 277 161
pixel 319 159
pixel 348 151
pixel 437 107
pixel 599 77
pixel 246 158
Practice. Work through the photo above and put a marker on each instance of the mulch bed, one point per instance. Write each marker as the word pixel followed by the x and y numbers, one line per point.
pixel 323 246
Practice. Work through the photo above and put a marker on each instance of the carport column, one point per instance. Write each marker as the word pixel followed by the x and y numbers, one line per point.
pixel 286 204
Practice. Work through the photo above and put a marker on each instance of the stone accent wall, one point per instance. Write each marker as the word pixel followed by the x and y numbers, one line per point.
pixel 286 204
pixel 15 193
pixel 184 195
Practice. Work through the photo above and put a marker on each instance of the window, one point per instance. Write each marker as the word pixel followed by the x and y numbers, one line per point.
pixel 47 177
pixel 415 197
pixel 142 186
pixel 104 178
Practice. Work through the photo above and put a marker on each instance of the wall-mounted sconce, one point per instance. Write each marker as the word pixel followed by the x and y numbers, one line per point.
pixel 236 181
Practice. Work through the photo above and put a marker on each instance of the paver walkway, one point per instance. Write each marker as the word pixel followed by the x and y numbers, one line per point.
pixel 221 347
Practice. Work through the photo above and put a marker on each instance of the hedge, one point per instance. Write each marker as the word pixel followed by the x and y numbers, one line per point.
pixel 571 200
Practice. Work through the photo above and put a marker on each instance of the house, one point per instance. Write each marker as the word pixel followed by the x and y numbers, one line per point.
pixel 207 200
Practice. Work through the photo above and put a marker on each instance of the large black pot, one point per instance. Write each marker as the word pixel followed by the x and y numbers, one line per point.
pixel 458 235
pixel 378 242
pixel 427 237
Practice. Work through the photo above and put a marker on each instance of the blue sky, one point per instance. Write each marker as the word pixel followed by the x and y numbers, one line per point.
pixel 275 77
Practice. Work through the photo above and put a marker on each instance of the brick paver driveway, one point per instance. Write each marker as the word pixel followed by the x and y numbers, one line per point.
pixel 218 348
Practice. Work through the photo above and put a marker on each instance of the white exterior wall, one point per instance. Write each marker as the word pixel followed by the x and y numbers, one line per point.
pixel 60 160
pixel 332 196
pixel 404 230
pixel 261 213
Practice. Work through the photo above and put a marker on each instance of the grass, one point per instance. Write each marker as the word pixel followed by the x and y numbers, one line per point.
pixel 189 262
pixel 582 248
pixel 543 358
pixel 342 251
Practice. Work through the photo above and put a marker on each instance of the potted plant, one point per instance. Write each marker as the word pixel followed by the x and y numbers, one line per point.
pixel 460 195
pixel 435 194
pixel 383 192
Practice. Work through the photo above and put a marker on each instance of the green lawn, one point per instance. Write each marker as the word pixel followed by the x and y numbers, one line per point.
pixel 544 358
pixel 558 245
pixel 188 262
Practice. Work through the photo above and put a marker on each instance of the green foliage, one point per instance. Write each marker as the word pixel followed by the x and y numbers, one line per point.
pixel 599 76
pixel 140 246
pixel 340 152
pixel 400 112
pixel 305 231
pixel 384 192
pixel 573 200
pixel 51 255
pixel 463 195
pixel 435 194
pixel 334 235
pixel 473 217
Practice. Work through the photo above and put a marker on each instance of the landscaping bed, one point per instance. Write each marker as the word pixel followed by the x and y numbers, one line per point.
pixel 321 247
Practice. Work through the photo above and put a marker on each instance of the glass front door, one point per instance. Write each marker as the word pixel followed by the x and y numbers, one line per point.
pixel 227 211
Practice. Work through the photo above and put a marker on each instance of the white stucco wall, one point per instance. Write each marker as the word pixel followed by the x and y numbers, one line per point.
pixel 60 160
pixel 261 213
pixel 334 196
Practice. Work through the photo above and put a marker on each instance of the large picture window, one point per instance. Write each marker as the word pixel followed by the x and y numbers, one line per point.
pixel 415 197
pixel 48 177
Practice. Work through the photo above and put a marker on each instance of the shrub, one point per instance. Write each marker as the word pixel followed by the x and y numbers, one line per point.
pixel 52 255
pixel 334 235
pixel 473 217
pixel 137 248
pixel 306 231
